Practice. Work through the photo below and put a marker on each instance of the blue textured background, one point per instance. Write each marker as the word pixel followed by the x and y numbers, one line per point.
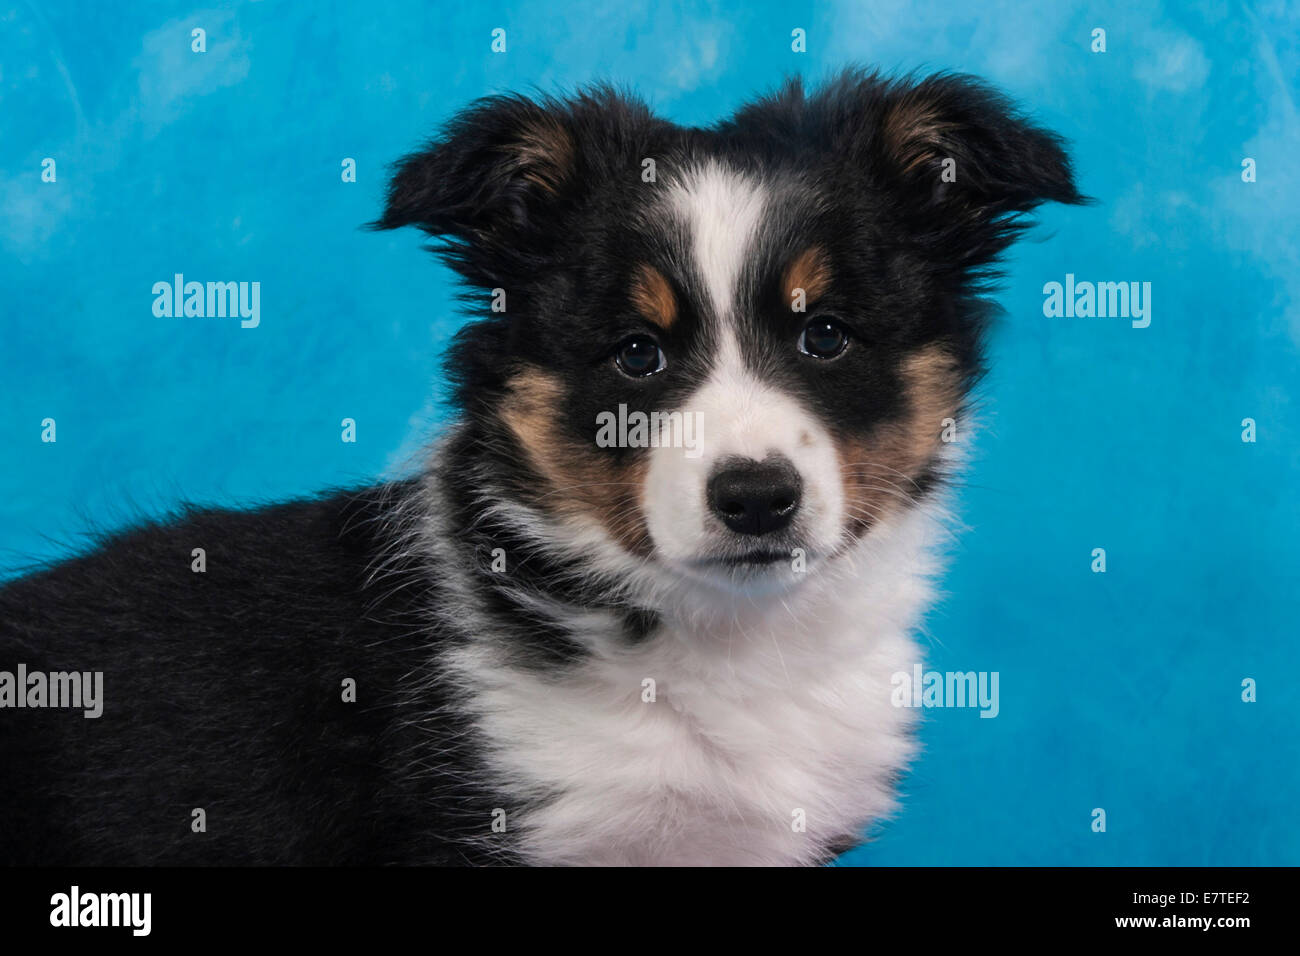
pixel 1119 691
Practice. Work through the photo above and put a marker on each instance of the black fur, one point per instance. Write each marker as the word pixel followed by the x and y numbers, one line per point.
pixel 224 691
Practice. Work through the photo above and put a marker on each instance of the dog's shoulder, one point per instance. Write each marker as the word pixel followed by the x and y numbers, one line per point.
pixel 268 667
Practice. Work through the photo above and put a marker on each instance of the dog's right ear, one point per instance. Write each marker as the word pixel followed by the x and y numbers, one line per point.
pixel 490 185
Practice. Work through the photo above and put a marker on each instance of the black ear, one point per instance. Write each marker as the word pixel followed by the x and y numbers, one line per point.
pixel 1000 159
pixel 953 157
pixel 967 163
pixel 489 184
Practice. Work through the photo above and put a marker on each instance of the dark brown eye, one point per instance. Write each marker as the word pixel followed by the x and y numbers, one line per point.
pixel 823 338
pixel 640 356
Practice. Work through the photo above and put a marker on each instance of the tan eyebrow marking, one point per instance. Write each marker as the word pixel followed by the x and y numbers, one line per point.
pixel 810 271
pixel 653 297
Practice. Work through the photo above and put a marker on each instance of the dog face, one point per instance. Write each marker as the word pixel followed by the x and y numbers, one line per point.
pixel 726 352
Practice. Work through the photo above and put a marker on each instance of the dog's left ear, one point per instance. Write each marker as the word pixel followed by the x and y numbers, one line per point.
pixel 966 162
pixel 955 159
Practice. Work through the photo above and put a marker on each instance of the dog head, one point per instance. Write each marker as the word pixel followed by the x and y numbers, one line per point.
pixel 725 352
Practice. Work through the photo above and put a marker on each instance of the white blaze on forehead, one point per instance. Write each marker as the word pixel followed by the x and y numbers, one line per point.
pixel 721 209
pixel 740 414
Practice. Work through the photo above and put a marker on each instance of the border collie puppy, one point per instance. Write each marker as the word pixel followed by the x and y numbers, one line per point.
pixel 645 602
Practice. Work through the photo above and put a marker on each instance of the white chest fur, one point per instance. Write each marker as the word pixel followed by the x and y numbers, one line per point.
pixel 761 737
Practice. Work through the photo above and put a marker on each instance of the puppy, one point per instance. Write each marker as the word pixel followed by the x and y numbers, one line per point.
pixel 644 604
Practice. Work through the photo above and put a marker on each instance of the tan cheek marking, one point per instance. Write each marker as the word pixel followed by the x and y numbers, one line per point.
pixel 810 271
pixel 578 480
pixel 878 470
pixel 653 297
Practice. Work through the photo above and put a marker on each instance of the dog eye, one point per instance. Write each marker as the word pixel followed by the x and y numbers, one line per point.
pixel 823 338
pixel 640 356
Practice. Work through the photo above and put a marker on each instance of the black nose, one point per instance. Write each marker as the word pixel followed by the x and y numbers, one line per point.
pixel 755 497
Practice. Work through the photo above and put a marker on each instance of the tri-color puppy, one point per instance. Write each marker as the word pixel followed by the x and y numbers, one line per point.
pixel 571 642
